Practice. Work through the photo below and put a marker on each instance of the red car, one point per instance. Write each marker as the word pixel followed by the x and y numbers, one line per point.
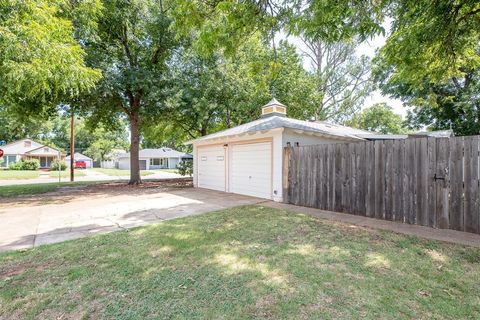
pixel 80 165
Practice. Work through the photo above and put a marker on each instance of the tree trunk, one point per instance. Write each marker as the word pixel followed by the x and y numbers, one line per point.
pixel 134 148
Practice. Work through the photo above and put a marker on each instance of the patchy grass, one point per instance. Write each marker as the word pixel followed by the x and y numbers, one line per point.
pixel 18 174
pixel 120 172
pixel 243 263
pixel 37 188
pixel 66 173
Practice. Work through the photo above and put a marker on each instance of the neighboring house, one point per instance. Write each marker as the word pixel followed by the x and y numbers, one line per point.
pixel 111 160
pixel 248 159
pixel 80 157
pixel 149 159
pixel 28 149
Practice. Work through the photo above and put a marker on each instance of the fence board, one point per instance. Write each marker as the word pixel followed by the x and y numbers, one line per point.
pixel 426 181
pixel 456 184
pixel 471 208
pixel 442 183
pixel 431 203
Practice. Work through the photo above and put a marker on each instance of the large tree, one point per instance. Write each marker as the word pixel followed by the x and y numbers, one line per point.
pixel 218 91
pixel 342 79
pixel 134 40
pixel 41 64
pixel 431 61
pixel 379 118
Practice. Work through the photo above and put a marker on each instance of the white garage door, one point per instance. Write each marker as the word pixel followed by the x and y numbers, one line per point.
pixel 251 170
pixel 211 168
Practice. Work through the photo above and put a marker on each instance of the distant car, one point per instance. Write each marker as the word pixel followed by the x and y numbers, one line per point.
pixel 80 165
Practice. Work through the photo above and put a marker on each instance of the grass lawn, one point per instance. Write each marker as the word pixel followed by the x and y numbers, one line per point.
pixel 18 174
pixel 37 188
pixel 66 173
pixel 243 263
pixel 120 172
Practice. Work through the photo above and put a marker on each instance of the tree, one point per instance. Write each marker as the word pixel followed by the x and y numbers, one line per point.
pixel 380 118
pixel 342 79
pixel 41 64
pixel 133 41
pixel 434 39
pixel 217 92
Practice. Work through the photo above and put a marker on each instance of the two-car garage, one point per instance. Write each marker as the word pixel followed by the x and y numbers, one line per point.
pixel 243 168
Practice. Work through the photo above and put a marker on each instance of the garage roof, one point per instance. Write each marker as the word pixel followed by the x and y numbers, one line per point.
pixel 275 122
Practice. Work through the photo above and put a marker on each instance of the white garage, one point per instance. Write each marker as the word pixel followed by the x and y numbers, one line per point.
pixel 211 168
pixel 248 159
pixel 251 169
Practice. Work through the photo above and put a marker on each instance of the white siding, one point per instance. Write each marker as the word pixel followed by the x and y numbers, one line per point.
pixel 251 169
pixel 124 163
pixel 211 167
pixel 305 139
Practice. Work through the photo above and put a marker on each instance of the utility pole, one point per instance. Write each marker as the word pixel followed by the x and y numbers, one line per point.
pixel 72 147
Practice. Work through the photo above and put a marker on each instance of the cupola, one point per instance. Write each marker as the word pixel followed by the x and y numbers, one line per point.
pixel 274 108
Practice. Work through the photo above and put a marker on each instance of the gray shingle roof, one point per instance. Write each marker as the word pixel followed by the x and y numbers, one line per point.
pixel 275 122
pixel 159 153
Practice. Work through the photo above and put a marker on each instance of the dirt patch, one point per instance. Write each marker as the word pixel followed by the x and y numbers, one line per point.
pixel 97 190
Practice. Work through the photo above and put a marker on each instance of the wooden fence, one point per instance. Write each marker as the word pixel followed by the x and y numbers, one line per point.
pixel 426 181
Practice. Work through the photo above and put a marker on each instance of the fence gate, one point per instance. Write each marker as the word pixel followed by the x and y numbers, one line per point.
pixel 426 181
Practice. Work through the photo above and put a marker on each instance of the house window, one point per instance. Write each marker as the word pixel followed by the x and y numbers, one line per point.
pixel 7 160
pixel 162 162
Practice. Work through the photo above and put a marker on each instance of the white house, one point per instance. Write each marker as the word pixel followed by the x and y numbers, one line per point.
pixel 150 159
pixel 28 149
pixel 248 159
pixel 80 157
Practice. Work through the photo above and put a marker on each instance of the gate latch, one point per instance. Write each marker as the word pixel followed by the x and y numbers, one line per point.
pixel 438 178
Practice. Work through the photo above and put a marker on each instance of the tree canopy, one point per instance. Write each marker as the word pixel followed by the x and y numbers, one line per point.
pixel 41 63
pixel 379 118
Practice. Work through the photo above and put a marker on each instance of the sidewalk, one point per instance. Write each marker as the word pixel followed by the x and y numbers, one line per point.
pixel 446 235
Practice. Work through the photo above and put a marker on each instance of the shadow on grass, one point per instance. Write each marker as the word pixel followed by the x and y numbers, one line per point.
pixel 246 262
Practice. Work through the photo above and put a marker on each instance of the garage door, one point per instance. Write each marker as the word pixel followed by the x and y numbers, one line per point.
pixel 251 170
pixel 211 168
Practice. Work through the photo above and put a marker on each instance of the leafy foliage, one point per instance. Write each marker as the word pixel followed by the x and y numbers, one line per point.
pixel 24 164
pixel 380 118
pixel 41 64
pixel 58 165
pixel 185 168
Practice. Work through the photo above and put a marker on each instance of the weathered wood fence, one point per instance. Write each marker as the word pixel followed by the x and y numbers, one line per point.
pixel 426 181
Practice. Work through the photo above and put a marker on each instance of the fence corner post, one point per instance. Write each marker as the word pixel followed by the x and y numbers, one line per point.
pixel 287 152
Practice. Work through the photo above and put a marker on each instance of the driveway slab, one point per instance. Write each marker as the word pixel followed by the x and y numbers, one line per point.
pixel 29 226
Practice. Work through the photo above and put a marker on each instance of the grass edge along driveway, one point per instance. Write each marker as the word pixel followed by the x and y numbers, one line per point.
pixel 245 262
pixel 39 188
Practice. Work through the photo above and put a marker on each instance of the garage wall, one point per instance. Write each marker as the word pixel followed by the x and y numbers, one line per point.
pixel 305 140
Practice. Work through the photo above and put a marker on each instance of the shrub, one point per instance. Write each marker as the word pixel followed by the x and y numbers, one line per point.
pixel 58 164
pixel 185 167
pixel 32 164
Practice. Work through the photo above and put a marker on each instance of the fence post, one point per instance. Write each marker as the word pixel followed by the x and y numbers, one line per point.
pixel 287 152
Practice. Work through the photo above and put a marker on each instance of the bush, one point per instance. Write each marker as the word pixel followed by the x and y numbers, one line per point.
pixel 185 167
pixel 32 164
pixel 56 164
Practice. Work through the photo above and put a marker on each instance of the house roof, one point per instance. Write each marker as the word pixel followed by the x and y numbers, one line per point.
pixel 275 122
pixel 78 156
pixel 34 148
pixel 159 153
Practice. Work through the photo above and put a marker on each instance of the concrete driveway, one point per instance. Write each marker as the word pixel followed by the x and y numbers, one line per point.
pixel 26 225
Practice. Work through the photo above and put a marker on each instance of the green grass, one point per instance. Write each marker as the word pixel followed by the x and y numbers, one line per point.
pixel 120 172
pixel 37 188
pixel 66 173
pixel 243 263
pixel 18 174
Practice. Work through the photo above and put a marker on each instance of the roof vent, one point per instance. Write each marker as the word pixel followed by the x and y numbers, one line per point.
pixel 274 108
